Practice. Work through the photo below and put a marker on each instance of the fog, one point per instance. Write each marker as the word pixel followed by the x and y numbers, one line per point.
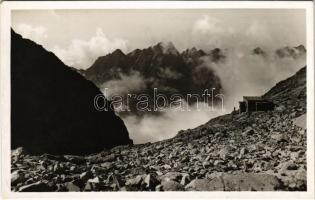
pixel 242 74
pixel 152 128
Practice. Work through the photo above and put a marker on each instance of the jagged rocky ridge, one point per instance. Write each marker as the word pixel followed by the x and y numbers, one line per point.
pixel 163 67
pixel 52 108
pixel 264 151
pixel 284 52
pixel 160 66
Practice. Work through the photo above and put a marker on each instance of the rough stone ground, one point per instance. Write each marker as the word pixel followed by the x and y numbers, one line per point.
pixel 264 151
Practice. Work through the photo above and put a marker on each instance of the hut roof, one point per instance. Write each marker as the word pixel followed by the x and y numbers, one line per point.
pixel 252 98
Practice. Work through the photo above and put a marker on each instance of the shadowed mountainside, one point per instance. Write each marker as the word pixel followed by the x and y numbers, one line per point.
pixel 52 108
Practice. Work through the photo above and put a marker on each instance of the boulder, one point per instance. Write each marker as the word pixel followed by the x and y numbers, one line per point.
pixel 37 187
pixel 248 132
pixel 150 182
pixel 71 187
pixel 85 176
pixel 294 180
pixel 172 186
pixel 205 185
pixel 92 184
pixel 224 153
pixel 134 184
pixel 250 182
pixel 171 176
pixel 300 121
pixel 16 177
pixel 279 137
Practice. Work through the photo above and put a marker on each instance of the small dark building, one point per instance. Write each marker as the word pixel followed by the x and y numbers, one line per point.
pixel 254 103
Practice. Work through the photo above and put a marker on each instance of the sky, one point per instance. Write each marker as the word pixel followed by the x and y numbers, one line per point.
pixel 78 37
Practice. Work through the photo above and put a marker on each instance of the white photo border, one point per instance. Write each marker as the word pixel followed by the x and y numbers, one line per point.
pixel 7 7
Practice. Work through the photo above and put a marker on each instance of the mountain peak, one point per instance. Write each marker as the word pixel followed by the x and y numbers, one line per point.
pixel 217 55
pixel 118 52
pixel 301 48
pixel 193 52
pixel 294 52
pixel 166 48
pixel 258 51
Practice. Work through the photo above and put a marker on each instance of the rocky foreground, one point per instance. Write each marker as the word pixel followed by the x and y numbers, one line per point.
pixel 263 151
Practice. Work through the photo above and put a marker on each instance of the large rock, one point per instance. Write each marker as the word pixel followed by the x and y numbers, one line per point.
pixel 239 182
pixel 292 176
pixel 53 106
pixel 250 182
pixel 172 186
pixel 71 187
pixel 300 121
pixel 172 176
pixel 294 180
pixel 16 177
pixel 37 187
pixel 205 185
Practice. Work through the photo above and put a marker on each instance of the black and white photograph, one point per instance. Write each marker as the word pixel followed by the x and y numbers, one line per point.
pixel 159 99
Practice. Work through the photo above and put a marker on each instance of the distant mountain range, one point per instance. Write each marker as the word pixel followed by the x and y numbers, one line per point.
pixel 285 52
pixel 162 66
pixel 164 56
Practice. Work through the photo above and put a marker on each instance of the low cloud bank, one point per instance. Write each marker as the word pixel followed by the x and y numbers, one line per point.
pixel 152 128
pixel 245 74
pixel 242 73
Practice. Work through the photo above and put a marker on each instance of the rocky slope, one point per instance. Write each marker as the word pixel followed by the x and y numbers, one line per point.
pixel 264 151
pixel 53 106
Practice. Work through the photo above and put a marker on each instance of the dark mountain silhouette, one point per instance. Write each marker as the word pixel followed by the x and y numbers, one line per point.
pixel 160 66
pixel 52 108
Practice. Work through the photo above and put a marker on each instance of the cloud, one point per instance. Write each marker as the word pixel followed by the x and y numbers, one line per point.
pixel 82 54
pixel 152 128
pixel 167 73
pixel 125 84
pixel 245 74
pixel 241 74
pixel 208 24
pixel 257 29
pixel 36 33
pixel 210 32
